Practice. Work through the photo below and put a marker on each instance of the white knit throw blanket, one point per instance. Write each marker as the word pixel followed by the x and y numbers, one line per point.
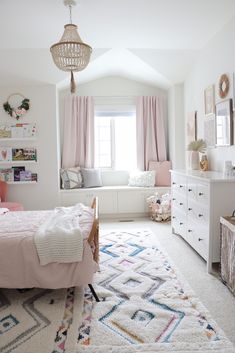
pixel 60 239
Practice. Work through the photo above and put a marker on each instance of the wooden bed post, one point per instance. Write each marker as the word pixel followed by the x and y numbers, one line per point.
pixel 93 239
pixel 94 234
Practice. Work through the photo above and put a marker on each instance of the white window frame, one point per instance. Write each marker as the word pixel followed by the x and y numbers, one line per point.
pixel 127 111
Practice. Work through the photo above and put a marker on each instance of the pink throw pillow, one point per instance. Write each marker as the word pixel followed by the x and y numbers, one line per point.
pixel 163 177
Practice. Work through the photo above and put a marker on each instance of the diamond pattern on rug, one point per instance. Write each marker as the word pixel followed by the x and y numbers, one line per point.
pixel 144 303
pixel 21 317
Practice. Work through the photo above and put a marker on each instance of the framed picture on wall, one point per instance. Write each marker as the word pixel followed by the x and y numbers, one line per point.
pixel 224 123
pixel 209 100
pixel 233 91
pixel 191 126
pixel 209 131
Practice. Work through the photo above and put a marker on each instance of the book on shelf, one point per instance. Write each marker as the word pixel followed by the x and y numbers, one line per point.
pixel 25 175
pixel 16 172
pixel 6 174
pixel 24 154
pixel 5 154
pixel 34 177
pixel 5 131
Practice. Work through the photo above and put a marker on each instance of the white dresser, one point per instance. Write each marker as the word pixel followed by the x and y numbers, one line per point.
pixel 199 199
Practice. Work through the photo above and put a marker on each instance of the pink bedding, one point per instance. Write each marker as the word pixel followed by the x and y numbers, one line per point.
pixel 19 262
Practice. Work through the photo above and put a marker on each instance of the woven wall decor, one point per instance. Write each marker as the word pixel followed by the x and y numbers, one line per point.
pixel 223 86
pixel 20 110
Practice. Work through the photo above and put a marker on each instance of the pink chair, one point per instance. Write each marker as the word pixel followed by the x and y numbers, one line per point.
pixel 12 206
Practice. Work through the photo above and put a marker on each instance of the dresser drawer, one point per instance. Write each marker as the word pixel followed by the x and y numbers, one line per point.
pixel 198 213
pixel 179 202
pixel 179 184
pixel 203 193
pixel 197 236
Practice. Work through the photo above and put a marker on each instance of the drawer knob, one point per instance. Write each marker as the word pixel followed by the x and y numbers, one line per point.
pixel 200 215
pixel 190 190
pixel 181 203
pixel 189 230
pixel 173 199
pixel 173 217
pixel 181 223
pixel 181 186
pixel 190 209
pixel 173 183
pixel 200 239
pixel 200 193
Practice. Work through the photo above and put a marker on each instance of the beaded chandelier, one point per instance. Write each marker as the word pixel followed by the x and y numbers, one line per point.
pixel 70 53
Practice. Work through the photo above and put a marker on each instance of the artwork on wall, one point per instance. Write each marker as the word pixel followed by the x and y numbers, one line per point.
pixel 23 130
pixel 24 154
pixel 192 126
pixel 233 91
pixel 224 123
pixel 5 154
pixel 209 100
pixel 209 130
pixel 223 86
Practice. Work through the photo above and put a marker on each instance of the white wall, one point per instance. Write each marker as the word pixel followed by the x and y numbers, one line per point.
pixel 176 126
pixel 217 58
pixel 115 90
pixel 43 111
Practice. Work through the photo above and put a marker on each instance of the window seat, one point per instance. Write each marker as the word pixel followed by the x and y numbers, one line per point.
pixel 114 200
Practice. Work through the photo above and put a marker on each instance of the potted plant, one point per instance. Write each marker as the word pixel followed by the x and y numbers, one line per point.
pixel 195 147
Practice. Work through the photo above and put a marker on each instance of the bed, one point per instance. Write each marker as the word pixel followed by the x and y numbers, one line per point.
pixel 19 261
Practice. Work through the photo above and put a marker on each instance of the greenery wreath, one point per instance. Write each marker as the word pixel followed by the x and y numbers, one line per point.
pixel 20 110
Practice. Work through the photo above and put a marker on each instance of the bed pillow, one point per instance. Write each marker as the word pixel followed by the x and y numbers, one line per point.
pixel 162 169
pixel 91 177
pixel 71 178
pixel 144 179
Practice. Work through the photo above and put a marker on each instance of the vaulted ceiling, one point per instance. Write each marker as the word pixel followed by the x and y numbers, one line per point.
pixel 151 41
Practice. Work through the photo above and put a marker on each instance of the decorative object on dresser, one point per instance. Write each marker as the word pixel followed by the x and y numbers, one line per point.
pixel 204 165
pixel 223 86
pixel 198 201
pixel 20 109
pixel 228 251
pixel 195 147
pixel 224 123
pixel 209 100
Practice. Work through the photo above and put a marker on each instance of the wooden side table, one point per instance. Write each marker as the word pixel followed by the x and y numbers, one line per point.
pixel 228 252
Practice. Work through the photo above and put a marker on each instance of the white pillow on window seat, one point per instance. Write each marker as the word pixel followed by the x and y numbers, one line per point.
pixel 140 178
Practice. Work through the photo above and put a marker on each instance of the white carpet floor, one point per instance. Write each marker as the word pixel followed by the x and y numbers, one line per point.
pixel 210 290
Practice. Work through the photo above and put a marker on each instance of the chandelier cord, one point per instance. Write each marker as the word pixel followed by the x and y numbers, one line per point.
pixel 70 13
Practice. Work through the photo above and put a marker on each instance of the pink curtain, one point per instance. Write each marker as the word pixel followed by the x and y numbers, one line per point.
pixel 151 144
pixel 78 143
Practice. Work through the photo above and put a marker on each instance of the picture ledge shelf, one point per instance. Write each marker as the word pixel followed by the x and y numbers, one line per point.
pixel 16 162
pixel 21 182
pixel 17 139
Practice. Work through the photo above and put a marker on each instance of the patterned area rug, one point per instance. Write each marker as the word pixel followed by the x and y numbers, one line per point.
pixel 29 319
pixel 146 304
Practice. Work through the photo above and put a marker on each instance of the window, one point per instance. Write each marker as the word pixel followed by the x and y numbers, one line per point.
pixel 115 140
